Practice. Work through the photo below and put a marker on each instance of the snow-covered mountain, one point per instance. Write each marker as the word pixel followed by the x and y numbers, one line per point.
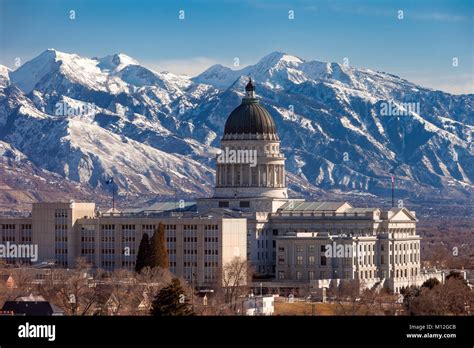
pixel 157 133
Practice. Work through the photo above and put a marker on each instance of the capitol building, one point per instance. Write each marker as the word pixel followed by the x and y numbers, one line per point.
pixel 289 242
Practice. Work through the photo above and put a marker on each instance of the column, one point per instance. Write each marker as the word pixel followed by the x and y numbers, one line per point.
pixel 224 182
pixel 265 181
pixel 232 168
pixel 259 179
pixel 250 176
pixel 241 169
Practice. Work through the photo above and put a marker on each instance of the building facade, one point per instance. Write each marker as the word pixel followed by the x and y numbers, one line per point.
pixel 198 244
pixel 250 215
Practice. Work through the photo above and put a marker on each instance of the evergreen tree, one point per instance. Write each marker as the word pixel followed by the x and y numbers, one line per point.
pixel 143 255
pixel 430 283
pixel 159 252
pixel 171 301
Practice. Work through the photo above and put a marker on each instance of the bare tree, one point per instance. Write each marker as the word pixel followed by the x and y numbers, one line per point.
pixel 235 280
pixel 120 293
pixel 454 297
pixel 72 289
pixel 21 285
pixel 346 297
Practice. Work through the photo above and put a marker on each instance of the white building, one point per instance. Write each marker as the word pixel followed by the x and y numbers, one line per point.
pixel 259 305
pixel 250 212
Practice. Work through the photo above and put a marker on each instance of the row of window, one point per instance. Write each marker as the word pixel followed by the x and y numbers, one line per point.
pixel 403 273
pixel 61 213
pixel 211 252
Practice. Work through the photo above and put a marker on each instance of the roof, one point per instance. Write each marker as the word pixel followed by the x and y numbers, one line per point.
pixel 401 214
pixel 222 212
pixel 31 308
pixel 5 277
pixel 250 118
pixel 293 206
pixel 168 209
pixel 31 298
pixel 360 210
pixel 165 206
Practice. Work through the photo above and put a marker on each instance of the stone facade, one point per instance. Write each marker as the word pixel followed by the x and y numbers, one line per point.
pixel 198 244
pixel 250 215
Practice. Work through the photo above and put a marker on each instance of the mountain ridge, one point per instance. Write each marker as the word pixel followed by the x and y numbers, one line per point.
pixel 329 117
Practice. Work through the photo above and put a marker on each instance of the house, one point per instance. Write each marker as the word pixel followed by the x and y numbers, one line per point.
pixel 7 280
pixel 31 306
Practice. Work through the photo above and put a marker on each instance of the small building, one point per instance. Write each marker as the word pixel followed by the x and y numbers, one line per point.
pixel 31 306
pixel 8 281
pixel 259 305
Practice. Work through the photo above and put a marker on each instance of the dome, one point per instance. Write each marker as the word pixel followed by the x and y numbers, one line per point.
pixel 250 117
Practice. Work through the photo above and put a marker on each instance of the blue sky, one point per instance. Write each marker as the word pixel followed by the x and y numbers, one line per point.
pixel 420 47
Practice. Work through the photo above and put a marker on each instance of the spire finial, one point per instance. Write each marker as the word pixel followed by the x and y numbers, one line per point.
pixel 249 92
pixel 250 86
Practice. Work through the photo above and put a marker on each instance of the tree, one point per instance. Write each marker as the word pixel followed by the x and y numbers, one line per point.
pixel 235 277
pixel 456 275
pixel 454 297
pixel 159 252
pixel 73 289
pixel 119 293
pixel 171 301
pixel 409 294
pixel 430 283
pixel 143 255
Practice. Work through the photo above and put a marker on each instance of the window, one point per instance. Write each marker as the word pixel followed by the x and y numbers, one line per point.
pixel 223 204
pixel 311 248
pixel 281 275
pixel 298 275
pixel 275 232
pixel 244 204
pixel 323 260
pixel 322 275
pixel 299 248
pixel 382 259
pixel 310 275
pixel 281 249
pixel 281 260
pixel 299 260
pixel 311 259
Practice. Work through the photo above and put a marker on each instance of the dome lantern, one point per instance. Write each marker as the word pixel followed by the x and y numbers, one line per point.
pixel 250 90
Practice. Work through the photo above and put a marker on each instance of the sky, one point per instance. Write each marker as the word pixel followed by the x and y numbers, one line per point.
pixel 420 44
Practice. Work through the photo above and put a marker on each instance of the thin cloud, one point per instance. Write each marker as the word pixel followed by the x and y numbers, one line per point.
pixel 441 17
pixel 386 12
pixel 188 66
pixel 454 84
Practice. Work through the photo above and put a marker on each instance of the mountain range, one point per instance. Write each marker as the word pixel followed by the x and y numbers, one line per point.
pixel 73 121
